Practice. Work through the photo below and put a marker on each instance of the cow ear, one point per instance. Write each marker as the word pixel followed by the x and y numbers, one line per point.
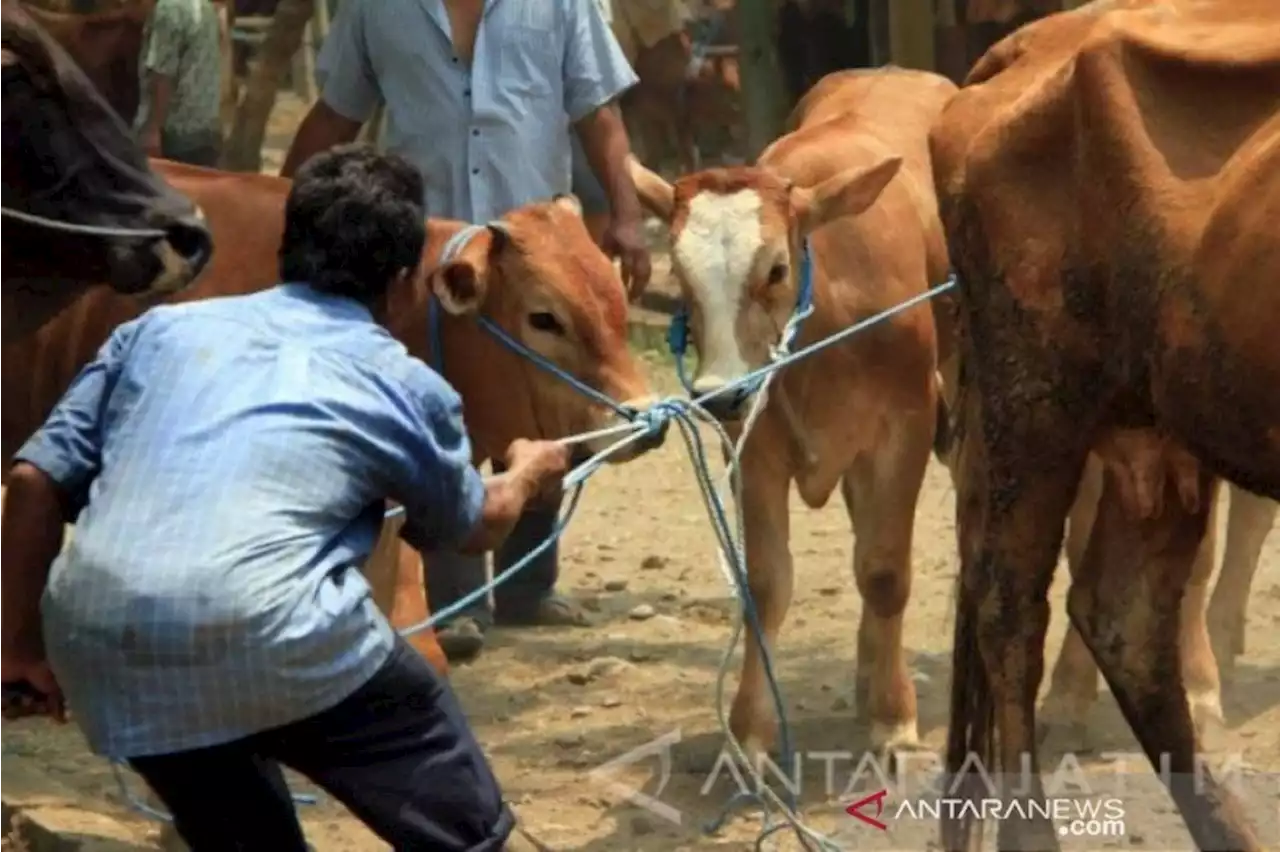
pixel 846 194
pixel 462 283
pixel 657 196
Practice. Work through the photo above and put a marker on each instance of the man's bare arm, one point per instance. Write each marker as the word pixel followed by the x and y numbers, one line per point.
pixel 160 95
pixel 31 530
pixel 505 497
pixel 323 128
pixel 605 142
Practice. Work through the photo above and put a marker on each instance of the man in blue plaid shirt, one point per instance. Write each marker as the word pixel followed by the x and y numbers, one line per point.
pixel 227 464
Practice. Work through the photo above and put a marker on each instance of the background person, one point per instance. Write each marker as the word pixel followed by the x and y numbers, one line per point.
pixel 179 114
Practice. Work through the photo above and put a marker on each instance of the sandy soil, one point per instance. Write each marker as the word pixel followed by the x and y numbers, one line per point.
pixel 550 705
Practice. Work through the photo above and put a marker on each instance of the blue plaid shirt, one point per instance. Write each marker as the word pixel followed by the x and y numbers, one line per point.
pixel 490 137
pixel 229 459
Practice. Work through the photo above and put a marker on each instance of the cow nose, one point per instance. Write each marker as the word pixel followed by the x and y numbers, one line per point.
pixel 727 406
pixel 190 238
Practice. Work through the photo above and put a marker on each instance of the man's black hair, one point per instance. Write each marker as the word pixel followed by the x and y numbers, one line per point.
pixel 353 220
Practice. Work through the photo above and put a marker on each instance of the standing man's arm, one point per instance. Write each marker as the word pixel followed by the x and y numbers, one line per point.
pixel 48 485
pixel 596 74
pixel 171 31
pixel 349 90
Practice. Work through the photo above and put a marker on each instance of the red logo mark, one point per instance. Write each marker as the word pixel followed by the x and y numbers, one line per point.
pixel 855 810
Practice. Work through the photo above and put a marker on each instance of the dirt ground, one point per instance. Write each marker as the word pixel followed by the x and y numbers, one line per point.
pixel 551 705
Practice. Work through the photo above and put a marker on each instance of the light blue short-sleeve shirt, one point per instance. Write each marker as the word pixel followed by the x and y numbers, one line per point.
pixel 491 137
pixel 230 460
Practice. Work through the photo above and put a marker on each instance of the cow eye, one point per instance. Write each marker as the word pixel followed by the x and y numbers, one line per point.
pixel 546 321
pixel 777 273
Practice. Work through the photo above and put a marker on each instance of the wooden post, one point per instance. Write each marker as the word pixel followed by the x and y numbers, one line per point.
pixel 230 95
pixel 764 99
pixel 304 63
pixel 243 151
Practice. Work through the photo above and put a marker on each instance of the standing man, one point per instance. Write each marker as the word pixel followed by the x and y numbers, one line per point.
pixel 179 116
pixel 482 95
pixel 227 464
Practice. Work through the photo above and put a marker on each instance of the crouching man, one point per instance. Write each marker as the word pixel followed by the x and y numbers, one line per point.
pixel 226 463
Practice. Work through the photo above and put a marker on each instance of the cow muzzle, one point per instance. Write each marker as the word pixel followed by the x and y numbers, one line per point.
pixel 727 406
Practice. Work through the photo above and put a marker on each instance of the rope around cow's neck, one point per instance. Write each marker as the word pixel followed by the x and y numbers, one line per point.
pixel 684 412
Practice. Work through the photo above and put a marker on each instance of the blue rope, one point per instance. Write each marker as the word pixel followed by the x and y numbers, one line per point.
pixel 682 412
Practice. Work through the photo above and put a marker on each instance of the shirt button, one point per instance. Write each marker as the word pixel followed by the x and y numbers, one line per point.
pixel 466 93
pixel 454 60
pixel 475 132
pixel 475 171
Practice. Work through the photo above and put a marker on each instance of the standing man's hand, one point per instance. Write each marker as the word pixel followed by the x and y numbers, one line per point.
pixel 625 240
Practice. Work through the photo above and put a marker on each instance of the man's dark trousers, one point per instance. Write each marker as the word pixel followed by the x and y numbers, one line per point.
pixel 398 752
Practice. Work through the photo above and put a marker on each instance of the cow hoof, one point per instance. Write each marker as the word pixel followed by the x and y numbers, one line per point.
pixel 893 743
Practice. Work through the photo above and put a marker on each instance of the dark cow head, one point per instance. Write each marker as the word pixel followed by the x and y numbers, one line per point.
pixel 81 204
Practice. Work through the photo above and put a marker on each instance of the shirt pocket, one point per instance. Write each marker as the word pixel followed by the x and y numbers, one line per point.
pixel 530 60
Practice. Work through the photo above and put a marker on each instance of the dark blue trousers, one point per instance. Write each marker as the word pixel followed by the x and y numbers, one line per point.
pixel 398 753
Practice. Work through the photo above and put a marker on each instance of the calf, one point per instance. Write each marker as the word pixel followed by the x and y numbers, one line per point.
pixel 852 179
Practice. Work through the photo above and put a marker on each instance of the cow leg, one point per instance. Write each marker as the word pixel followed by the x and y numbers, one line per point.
pixel 1127 602
pixel 1248 521
pixel 1199 668
pixel 1074 685
pixel 766 517
pixel 1010 530
pixel 880 492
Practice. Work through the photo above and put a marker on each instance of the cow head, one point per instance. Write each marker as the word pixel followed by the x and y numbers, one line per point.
pixel 543 281
pixel 737 243
pixel 69 160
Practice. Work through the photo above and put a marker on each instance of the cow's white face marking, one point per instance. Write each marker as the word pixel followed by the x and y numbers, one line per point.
pixel 715 254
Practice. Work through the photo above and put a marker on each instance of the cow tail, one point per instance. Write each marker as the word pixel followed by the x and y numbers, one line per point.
pixel 971 734
pixel 942 435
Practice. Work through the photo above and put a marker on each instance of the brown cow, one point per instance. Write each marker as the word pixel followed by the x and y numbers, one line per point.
pixel 859 415
pixel 81 205
pixel 547 265
pixel 1110 181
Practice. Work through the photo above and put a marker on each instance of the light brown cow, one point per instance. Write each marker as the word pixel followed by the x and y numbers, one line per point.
pixel 1110 181
pixel 854 179
pixel 545 283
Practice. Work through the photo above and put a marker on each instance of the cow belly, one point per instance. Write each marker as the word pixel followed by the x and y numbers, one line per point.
pixel 394 571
